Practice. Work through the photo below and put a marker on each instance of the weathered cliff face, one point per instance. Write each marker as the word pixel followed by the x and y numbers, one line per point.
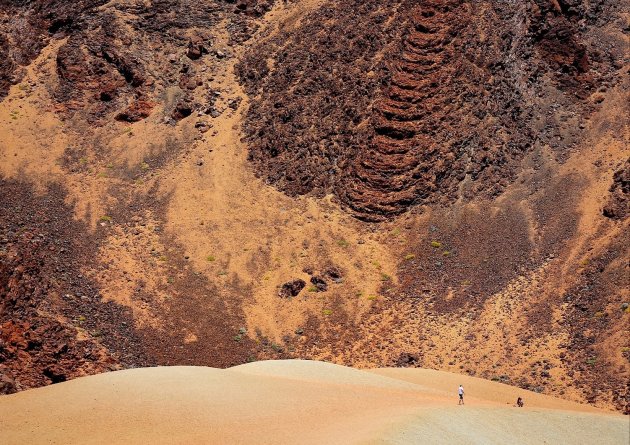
pixel 439 99
pixel 120 59
pixel 27 26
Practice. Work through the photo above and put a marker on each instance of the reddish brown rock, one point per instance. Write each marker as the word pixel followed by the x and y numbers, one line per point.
pixel 7 383
pixel 137 111
pixel 196 48
pixel 183 108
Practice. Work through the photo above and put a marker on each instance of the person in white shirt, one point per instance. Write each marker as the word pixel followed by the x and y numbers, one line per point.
pixel 460 391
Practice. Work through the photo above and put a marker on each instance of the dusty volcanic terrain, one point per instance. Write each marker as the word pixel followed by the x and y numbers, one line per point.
pixel 434 183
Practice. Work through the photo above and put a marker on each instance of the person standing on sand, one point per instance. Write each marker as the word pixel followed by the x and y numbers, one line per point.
pixel 460 391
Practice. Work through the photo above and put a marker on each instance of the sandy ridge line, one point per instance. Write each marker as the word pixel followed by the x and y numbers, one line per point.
pixel 339 405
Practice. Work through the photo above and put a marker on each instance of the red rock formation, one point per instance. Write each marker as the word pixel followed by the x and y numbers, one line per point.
pixel 437 103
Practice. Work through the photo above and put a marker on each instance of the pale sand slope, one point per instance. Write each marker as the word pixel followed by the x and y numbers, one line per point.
pixel 295 402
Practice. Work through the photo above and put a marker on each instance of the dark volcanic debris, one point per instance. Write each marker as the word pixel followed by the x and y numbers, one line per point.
pixel 118 57
pixel 302 127
pixel 375 101
pixel 194 324
pixel 45 301
pixel 596 313
pixel 618 205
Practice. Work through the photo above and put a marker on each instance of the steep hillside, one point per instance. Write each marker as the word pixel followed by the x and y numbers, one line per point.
pixel 394 104
pixel 435 183
pixel 500 124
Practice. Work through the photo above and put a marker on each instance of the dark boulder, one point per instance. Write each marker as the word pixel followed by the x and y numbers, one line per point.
pixel 334 274
pixel 196 49
pixel 291 288
pixel 319 283
pixel 184 108
pixel 7 384
pixel 406 359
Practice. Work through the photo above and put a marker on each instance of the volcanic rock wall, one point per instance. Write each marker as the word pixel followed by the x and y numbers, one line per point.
pixel 120 58
pixel 434 100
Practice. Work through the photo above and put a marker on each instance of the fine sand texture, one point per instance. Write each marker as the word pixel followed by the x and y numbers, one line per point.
pixel 293 401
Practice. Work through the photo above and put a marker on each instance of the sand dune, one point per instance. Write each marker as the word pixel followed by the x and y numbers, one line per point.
pixel 295 402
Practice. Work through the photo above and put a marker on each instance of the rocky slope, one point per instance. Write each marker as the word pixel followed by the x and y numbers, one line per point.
pixel 444 103
pixel 435 183
pixel 414 78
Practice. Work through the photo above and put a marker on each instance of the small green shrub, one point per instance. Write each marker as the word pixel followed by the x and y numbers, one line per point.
pixel 343 243
pixel 106 218
pixel 210 258
pixel 409 256
pixel 327 312
pixel 436 244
